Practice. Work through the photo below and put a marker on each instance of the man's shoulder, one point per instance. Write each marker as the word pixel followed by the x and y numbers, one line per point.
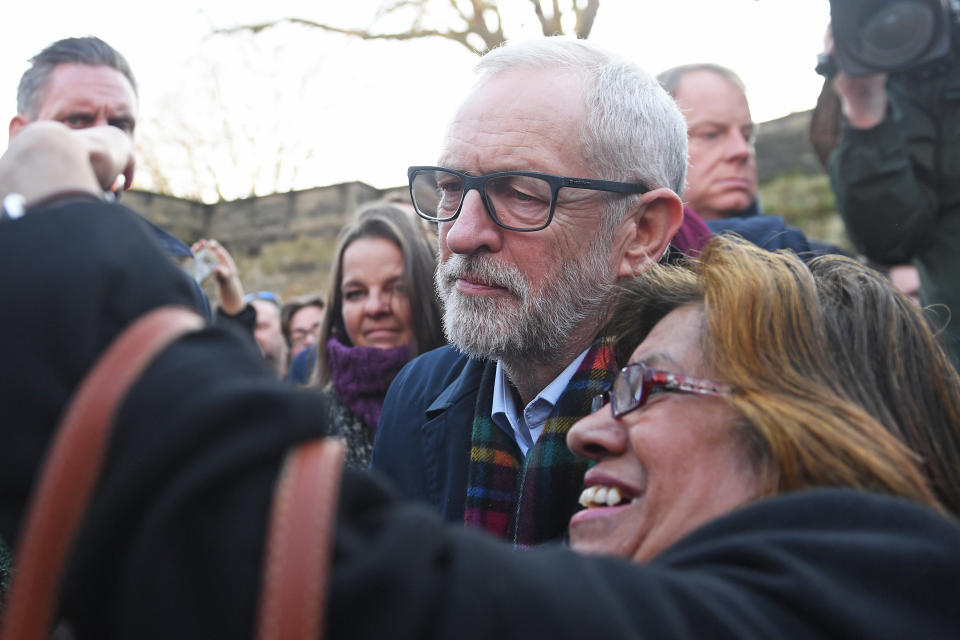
pixel 429 463
pixel 445 354
pixel 771 232
pixel 428 385
pixel 172 245
pixel 438 368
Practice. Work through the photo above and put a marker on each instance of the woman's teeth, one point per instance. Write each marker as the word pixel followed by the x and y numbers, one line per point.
pixel 600 496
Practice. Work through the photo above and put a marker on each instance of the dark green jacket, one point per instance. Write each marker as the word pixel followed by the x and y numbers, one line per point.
pixel 898 188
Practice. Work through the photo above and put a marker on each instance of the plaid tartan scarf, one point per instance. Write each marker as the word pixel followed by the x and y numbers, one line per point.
pixel 530 501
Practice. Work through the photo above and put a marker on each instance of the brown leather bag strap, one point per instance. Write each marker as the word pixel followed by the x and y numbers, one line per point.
pixel 300 542
pixel 72 467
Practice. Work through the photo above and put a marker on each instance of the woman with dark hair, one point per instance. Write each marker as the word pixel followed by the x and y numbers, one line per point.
pixel 382 312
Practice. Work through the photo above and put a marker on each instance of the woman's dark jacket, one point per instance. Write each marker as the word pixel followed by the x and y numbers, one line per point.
pixel 171 547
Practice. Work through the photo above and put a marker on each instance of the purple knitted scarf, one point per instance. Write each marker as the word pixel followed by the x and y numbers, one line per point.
pixel 361 375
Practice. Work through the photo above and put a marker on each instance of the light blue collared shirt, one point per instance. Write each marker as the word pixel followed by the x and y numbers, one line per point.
pixel 525 428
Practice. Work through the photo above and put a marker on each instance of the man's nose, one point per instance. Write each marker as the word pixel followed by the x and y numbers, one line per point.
pixel 739 146
pixel 474 228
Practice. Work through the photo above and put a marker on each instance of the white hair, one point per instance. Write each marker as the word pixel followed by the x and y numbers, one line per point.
pixel 633 132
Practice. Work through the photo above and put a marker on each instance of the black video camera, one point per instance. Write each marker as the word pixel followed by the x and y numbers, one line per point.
pixel 892 36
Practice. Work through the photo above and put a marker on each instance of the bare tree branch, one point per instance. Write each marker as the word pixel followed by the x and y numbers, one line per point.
pixel 242 155
pixel 420 6
pixel 456 8
pixel 553 25
pixel 557 17
pixel 476 23
pixel 479 26
pixel 481 23
pixel 585 17
pixel 548 26
pixel 363 34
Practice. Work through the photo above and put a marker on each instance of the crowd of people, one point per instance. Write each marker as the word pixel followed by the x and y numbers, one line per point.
pixel 602 394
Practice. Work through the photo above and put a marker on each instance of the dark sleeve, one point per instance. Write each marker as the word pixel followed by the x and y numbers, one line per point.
pixel 243 324
pixel 245 321
pixel 884 180
pixel 773 233
pixel 175 248
pixel 176 533
pixel 819 565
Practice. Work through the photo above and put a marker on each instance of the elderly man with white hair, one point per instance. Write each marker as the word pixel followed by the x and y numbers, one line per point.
pixel 558 176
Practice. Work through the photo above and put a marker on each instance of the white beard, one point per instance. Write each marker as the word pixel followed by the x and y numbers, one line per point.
pixel 523 326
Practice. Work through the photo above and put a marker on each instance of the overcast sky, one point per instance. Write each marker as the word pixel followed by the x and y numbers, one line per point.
pixel 343 109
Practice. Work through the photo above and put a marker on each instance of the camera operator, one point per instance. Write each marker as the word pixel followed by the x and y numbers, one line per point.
pixel 896 177
pixel 896 169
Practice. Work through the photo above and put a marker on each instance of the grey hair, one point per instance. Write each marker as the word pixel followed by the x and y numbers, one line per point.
pixel 89 50
pixel 633 132
pixel 670 79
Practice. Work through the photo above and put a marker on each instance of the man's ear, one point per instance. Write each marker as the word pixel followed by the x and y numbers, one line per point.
pixel 17 122
pixel 648 229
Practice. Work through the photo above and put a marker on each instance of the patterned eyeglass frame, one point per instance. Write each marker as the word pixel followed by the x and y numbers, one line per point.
pixel 670 381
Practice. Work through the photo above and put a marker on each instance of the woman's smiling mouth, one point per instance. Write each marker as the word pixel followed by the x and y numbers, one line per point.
pixel 603 496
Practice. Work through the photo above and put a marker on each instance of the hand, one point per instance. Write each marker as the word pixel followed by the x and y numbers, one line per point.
pixel 863 98
pixel 48 157
pixel 229 287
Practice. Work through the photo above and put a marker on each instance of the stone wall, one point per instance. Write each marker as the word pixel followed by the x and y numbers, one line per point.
pixel 282 242
pixel 248 225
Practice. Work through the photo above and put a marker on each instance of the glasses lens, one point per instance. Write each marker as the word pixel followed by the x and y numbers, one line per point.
pixel 522 202
pixel 627 393
pixel 436 194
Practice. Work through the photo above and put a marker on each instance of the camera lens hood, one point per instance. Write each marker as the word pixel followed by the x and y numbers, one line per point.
pixel 889 36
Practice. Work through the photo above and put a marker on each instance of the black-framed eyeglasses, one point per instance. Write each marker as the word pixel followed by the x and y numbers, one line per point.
pixel 636 382
pixel 515 200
